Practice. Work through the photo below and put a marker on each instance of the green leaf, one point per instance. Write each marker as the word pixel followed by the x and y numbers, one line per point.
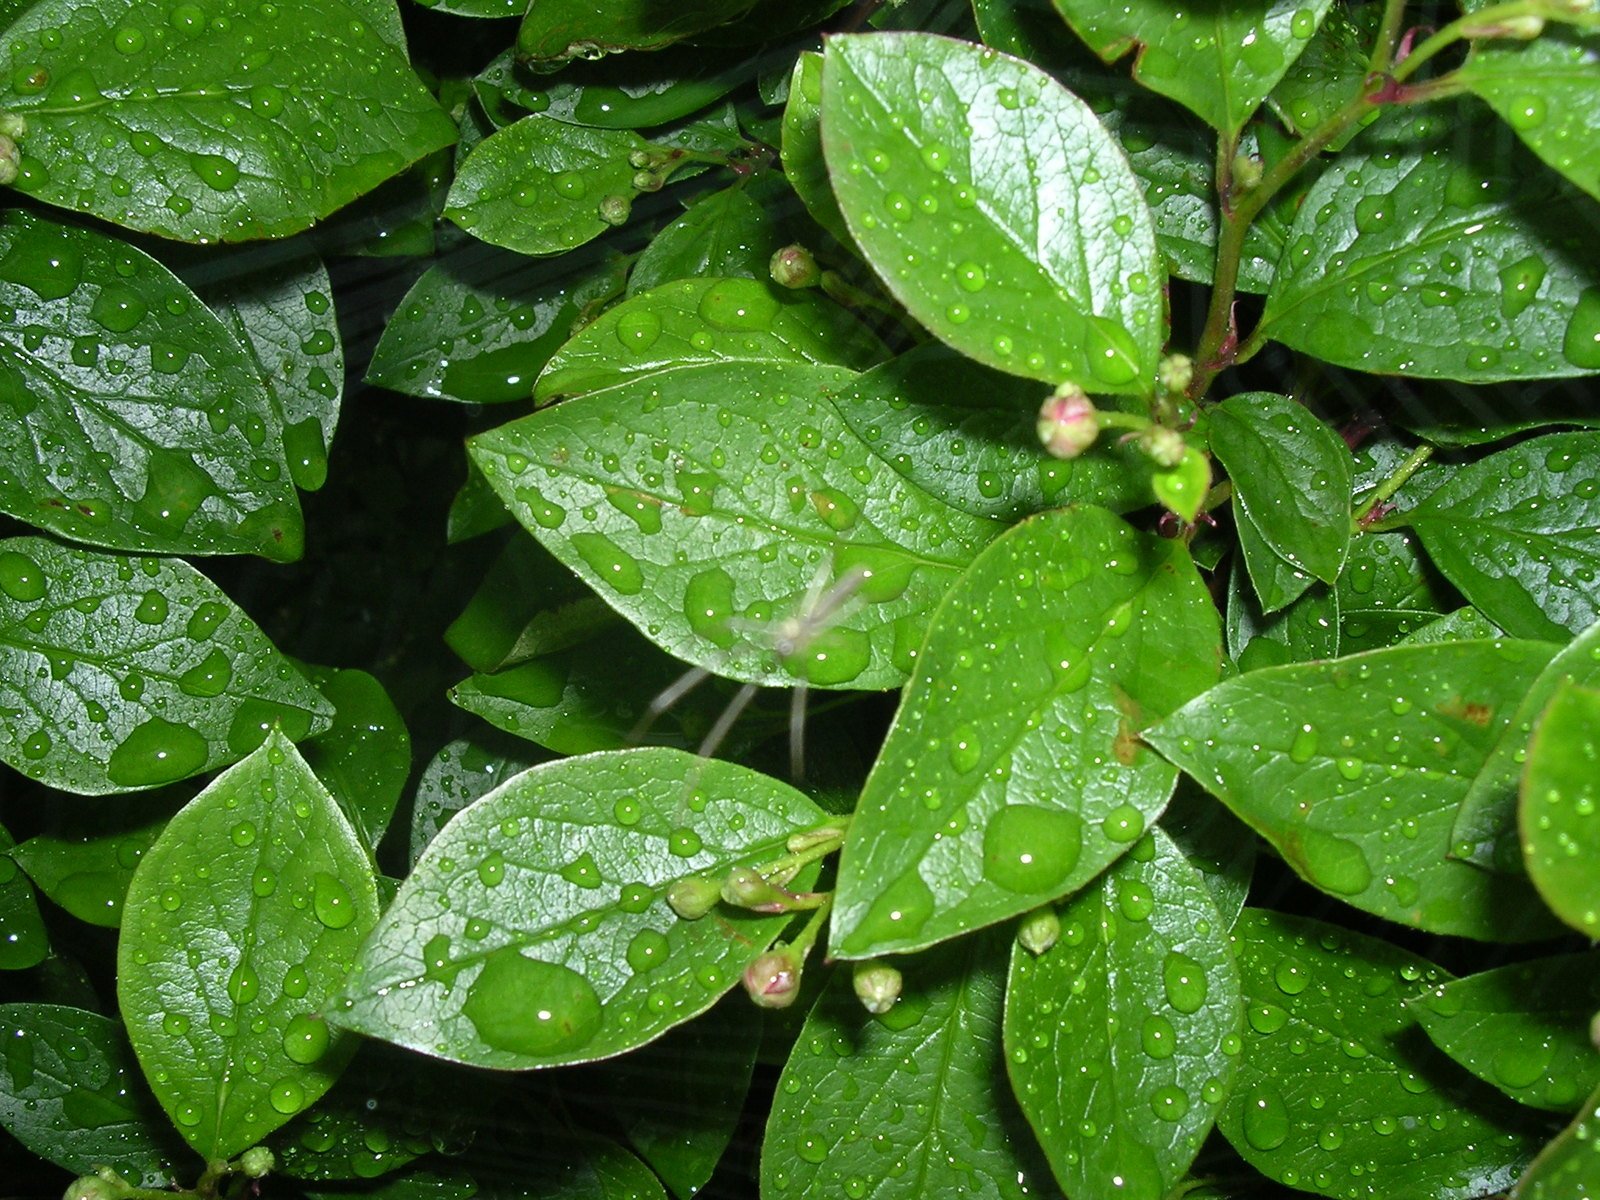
pixel 1524 1027
pixel 536 186
pixel 534 930
pixel 127 673
pixel 23 940
pixel 726 233
pixel 1464 625
pixel 742 492
pixel 1306 753
pixel 275 300
pixel 1568 1166
pixel 1306 629
pixel 1216 844
pixel 1219 61
pixel 480 325
pixel 910 1104
pixel 1000 789
pixel 683 1131
pixel 1329 72
pixel 693 322
pixel 803 163
pixel 996 208
pixel 1183 488
pixel 1334 1072
pixel 1542 88
pixel 1448 258
pixel 966 433
pixel 1485 830
pixel 1291 474
pixel 1122 1040
pixel 458 774
pixel 263 871
pixel 135 418
pixel 1517 533
pixel 85 862
pixel 223 123
pixel 71 1093
pixel 1277 582
pixel 556 30
pixel 447 1181
pixel 596 695
pixel 1560 832
pixel 528 605
pixel 1388 588
pixel 364 760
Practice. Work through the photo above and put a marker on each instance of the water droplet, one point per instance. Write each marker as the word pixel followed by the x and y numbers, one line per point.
pixel 1030 849
pixel 627 811
pixel 582 871
pixel 157 751
pixel 152 609
pixel 638 330
pixel 296 982
pixel 524 1006
pixel 21 578
pixel 647 950
pixel 287 1097
pixel 970 277
pixel 615 566
pixel 1581 344
pixel 684 842
pixel 209 677
pixel 1184 981
pixel 1333 863
pixel 1123 824
pixel 1266 1120
pixel 1304 745
pixel 243 985
pixel 492 870
pixel 966 751
pixel 305 1039
pixel 216 172
pixel 1157 1037
pixel 331 901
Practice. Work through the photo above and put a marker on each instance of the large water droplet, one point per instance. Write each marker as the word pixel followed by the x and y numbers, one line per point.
pixel 1030 849
pixel 305 1039
pixel 614 565
pixel 21 578
pixel 155 752
pixel 331 901
pixel 524 1006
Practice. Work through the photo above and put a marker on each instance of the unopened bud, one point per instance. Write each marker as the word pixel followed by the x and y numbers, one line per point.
pixel 1175 373
pixel 92 1187
pixel 773 979
pixel 1515 29
pixel 257 1162
pixel 10 160
pixel 615 209
pixel 1247 173
pixel 799 843
pixel 693 897
pixel 1162 446
pixel 639 160
pixel 748 888
pixel 1039 930
pixel 13 125
pixel 1067 422
pixel 877 986
pixel 1594 1031
pixel 648 181
pixel 795 267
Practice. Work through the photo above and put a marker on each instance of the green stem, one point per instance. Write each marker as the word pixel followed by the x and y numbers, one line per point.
pixel 813 927
pixel 828 839
pixel 1466 27
pixel 1396 480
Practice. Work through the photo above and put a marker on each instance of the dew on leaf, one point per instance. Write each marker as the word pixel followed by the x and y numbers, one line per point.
pixel 331 901
pixel 21 578
pixel 157 751
pixel 1029 849
pixel 647 950
pixel 524 1006
pixel 305 1039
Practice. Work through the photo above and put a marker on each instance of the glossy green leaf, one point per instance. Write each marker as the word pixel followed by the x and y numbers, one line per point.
pixel 1305 630
pixel 1306 753
pixel 396 219
pixel 1464 625
pixel 596 695
pixel 1183 488
pixel 1485 830
pixel 86 860
pixel 1524 1027
pixel 480 325
pixel 449 1181
pixel 1278 583
pixel 263 871
pixel 635 488
pixel 1336 1076
pixel 216 123
pixel 1330 71
pixel 1542 89
pixel 23 940
pixel 1013 772
pixel 1519 533
pixel 364 760
pixel 70 1092
pixel 699 321
pixel 461 772
pixel 556 30
pixel 1220 61
pixel 803 162
pixel 1291 474
pixel 534 930
pixel 528 605
pixel 909 1104
pixel 127 673
pixel 966 433
pixel 536 186
pixel 278 307
pixel 475 509
pixel 135 419
pixel 1122 1040
pixel 1560 831
pixel 996 208
pixel 1216 844
pixel 680 1099
pixel 1388 589
pixel 1568 1168
pixel 1447 258
pixel 726 233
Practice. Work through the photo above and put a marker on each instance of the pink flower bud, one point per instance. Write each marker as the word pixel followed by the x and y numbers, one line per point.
pixel 1067 422
pixel 794 267
pixel 773 979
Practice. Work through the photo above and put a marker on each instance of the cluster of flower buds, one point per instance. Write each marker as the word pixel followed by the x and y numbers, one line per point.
pixel 12 127
pixel 652 166
pixel 743 887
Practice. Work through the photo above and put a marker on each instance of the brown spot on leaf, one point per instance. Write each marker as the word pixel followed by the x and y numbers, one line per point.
pixel 1473 712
